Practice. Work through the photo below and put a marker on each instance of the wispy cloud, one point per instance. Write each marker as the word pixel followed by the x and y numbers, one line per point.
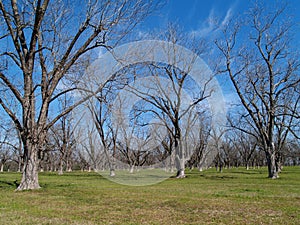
pixel 212 24
pixel 227 17
pixel 193 11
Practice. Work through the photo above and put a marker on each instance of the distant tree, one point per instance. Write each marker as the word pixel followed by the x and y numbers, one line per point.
pixel 100 111
pixel 245 145
pixel 134 143
pixel 63 136
pixel 216 143
pixel 292 153
pixel 197 142
pixel 5 155
pixel 9 144
pixel 91 152
pixel 165 95
pixel 264 70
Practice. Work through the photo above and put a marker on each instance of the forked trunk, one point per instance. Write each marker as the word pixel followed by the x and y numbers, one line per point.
pixel 30 180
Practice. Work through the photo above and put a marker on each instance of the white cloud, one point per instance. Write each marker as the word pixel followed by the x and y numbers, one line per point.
pixel 101 52
pixel 212 24
pixel 227 17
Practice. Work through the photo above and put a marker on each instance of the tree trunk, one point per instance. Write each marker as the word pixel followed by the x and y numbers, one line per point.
pixel 113 161
pixel 109 161
pixel 30 180
pixel 180 173
pixel 19 166
pixel 272 171
pixel 171 162
pixel 2 167
pixel 68 165
pixel 179 159
pixel 112 173
pixel 131 169
pixel 112 168
pixel 61 168
pixel 278 162
pixel 221 167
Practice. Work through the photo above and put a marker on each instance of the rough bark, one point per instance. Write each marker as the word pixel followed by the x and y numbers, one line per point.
pixel 271 163
pixel 179 158
pixel 30 179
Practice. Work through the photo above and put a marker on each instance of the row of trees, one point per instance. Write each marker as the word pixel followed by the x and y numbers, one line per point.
pixel 46 48
pixel 67 151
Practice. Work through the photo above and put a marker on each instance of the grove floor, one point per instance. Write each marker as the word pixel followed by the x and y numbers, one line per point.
pixel 235 196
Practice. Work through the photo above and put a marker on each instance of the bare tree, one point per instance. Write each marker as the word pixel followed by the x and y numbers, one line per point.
pixel 134 142
pixel 292 154
pixel 198 143
pixel 265 74
pixel 169 104
pixel 9 145
pixel 245 145
pixel 42 44
pixel 4 151
pixel 100 111
pixel 92 152
pixel 17 154
pixel 63 134
pixel 5 154
pixel 216 143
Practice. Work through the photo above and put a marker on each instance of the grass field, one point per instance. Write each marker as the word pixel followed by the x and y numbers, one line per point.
pixel 236 196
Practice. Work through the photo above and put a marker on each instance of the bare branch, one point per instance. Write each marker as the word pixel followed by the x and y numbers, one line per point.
pixel 11 87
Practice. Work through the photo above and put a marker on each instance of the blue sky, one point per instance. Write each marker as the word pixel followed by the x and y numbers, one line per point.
pixel 195 15
pixel 198 17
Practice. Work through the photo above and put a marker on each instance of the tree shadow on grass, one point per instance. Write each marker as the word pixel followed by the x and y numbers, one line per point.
pixel 218 177
pixel 248 172
pixel 14 184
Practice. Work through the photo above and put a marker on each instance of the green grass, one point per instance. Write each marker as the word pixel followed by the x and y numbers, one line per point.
pixel 235 196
